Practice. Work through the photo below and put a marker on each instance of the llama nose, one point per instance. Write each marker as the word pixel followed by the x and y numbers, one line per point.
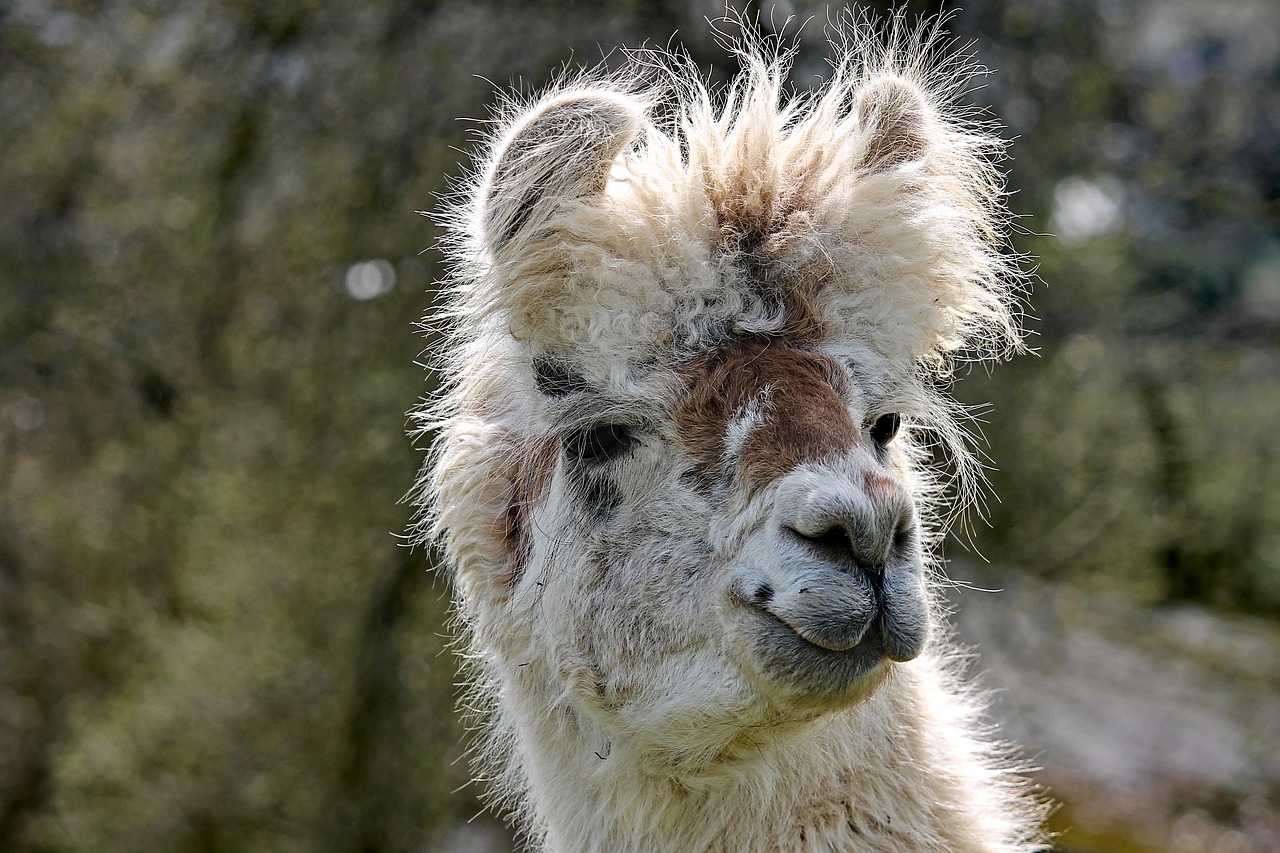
pixel 855 534
pixel 851 572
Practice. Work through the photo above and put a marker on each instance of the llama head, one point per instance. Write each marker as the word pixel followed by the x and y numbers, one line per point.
pixel 679 472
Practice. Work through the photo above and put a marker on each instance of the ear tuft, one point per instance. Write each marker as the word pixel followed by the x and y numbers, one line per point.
pixel 893 115
pixel 562 150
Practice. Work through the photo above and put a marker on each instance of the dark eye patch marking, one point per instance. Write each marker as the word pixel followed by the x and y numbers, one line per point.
pixel 555 379
pixel 589 452
pixel 596 492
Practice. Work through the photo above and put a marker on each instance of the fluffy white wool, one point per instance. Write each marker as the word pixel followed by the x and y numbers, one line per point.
pixel 611 225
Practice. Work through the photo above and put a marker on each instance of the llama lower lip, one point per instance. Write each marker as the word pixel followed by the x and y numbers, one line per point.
pixel 821 674
pixel 817 639
pixel 868 639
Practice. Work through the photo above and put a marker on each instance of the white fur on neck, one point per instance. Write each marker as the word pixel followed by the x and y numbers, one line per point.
pixel 851 781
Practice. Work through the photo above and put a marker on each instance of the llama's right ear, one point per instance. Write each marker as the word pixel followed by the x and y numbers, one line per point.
pixel 894 115
pixel 562 150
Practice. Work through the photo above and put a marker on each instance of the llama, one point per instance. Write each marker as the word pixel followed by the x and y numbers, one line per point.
pixel 696 369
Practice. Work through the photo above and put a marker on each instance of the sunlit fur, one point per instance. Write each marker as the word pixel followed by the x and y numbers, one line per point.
pixel 608 226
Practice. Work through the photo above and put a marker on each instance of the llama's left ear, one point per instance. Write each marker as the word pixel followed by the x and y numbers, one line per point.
pixel 893 116
pixel 562 150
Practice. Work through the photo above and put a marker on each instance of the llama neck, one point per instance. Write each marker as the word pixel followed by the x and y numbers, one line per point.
pixel 900 772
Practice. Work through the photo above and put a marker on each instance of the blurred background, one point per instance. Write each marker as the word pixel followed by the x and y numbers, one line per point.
pixel 210 264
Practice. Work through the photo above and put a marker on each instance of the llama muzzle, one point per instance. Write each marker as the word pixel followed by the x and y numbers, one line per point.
pixel 844 569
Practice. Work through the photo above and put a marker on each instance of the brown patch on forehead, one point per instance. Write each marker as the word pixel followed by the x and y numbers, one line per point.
pixel 802 417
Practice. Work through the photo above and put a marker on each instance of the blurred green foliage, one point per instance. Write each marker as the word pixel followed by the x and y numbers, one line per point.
pixel 211 637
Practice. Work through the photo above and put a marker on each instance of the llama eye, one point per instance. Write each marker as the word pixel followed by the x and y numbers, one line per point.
pixel 600 443
pixel 885 428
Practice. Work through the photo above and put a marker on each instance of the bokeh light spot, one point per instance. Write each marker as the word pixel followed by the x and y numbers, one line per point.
pixel 1084 210
pixel 370 279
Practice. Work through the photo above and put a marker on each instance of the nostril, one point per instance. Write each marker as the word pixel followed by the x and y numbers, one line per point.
pixel 832 544
pixel 833 539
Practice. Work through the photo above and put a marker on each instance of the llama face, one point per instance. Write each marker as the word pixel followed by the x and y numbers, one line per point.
pixel 677 474
pixel 758 498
